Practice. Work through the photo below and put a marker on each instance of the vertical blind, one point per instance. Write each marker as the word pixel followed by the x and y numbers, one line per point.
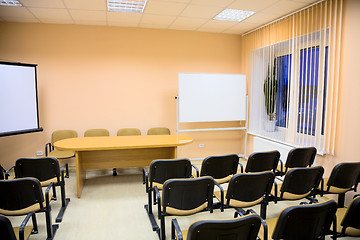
pixel 293 65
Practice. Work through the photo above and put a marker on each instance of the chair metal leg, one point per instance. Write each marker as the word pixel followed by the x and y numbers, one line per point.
pixel 64 202
pixel 162 227
pixel 50 228
pixel 35 226
pixel 341 200
pixel 54 193
pixel 263 206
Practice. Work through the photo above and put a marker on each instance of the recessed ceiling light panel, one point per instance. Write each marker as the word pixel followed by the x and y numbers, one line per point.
pixel 134 6
pixel 13 3
pixel 233 15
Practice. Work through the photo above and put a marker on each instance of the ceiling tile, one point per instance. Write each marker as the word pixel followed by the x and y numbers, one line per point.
pixel 18 12
pixel 14 19
pixel 217 25
pixel 188 22
pixel 57 21
pixel 284 7
pixel 88 15
pixel 241 28
pixel 252 5
pixel 157 19
pixel 183 28
pixel 164 8
pixel 201 11
pixel 51 13
pixel 160 26
pixel 43 3
pixel 122 24
pixel 86 4
pixel 120 17
pixel 90 22
pixel 260 18
pixel 218 3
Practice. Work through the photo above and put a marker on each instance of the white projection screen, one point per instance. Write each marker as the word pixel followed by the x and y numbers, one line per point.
pixel 209 97
pixel 18 99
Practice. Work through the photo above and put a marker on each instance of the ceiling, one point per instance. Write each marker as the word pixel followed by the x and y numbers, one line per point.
pixel 193 15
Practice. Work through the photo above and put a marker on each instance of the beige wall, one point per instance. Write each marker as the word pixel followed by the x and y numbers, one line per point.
pixel 111 77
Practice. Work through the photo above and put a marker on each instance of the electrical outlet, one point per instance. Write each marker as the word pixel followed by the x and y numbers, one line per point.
pixel 39 153
pixel 201 145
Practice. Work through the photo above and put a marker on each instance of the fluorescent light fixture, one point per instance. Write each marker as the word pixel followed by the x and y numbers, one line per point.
pixel 13 3
pixel 134 6
pixel 233 15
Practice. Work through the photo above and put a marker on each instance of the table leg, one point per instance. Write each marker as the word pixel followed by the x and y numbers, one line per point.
pixel 80 174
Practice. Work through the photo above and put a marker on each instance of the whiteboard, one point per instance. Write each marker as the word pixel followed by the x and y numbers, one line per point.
pixel 209 97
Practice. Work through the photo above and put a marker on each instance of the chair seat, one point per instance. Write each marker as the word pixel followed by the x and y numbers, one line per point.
pixel 61 154
pixel 353 232
pixel 33 208
pixel 178 212
pixel 47 182
pixel 236 203
pixel 333 189
pixel 158 185
pixel 287 195
pixel 27 232
pixel 271 223
pixel 223 180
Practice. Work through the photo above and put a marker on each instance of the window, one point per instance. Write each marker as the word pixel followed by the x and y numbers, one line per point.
pixel 283 76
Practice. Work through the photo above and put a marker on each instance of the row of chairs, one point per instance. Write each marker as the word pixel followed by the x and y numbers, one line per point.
pixel 249 189
pixel 22 194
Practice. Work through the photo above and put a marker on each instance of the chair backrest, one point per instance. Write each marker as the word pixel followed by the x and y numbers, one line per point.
pixel 351 218
pixel 96 132
pixel 159 131
pixel 162 170
pixel 262 161
pixel 6 229
pixel 187 194
pixel 300 157
pixel 220 166
pixel 20 193
pixel 344 175
pixel 305 221
pixel 248 187
pixel 128 132
pixel 242 228
pixel 302 180
pixel 43 168
pixel 62 134
pixel 2 172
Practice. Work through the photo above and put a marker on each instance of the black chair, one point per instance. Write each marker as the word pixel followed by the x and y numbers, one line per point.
pixel 159 172
pixel 298 183
pixel 348 219
pixel 263 161
pixel 221 168
pixel 7 232
pixel 2 173
pixel 22 196
pixel 182 197
pixel 242 228
pixel 343 178
pixel 247 190
pixel 297 157
pixel 308 221
pixel 46 170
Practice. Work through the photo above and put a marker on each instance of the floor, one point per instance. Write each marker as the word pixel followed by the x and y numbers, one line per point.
pixel 113 208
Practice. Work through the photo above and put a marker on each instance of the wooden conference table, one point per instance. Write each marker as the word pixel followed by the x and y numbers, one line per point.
pixel 119 152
